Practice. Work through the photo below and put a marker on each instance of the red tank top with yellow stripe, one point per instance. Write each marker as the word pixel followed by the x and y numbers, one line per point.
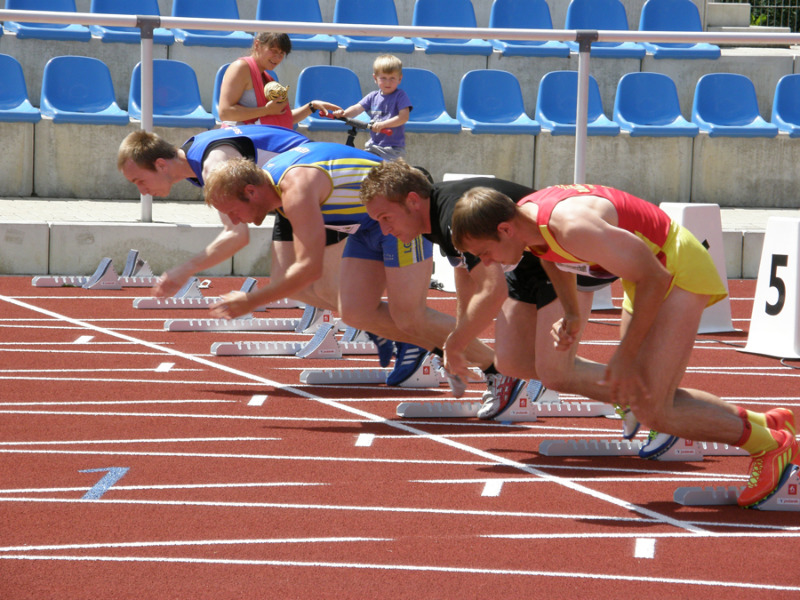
pixel 645 220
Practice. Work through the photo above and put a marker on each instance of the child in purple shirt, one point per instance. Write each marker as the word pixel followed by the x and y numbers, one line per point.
pixel 388 108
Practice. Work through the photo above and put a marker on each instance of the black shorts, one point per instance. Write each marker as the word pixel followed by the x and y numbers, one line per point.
pixel 529 283
pixel 282 232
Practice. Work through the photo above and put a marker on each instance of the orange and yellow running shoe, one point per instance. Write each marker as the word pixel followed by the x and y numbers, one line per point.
pixel 781 418
pixel 766 470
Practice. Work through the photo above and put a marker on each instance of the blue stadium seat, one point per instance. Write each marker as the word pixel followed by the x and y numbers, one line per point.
pixel 786 105
pixel 14 102
pixel 209 9
pixel 128 35
pixel 647 105
pixel 557 101
pixel 524 14
pixel 428 114
pixel 218 85
pixel 675 15
pixel 176 96
pixel 725 104
pixel 46 31
pixel 339 85
pixel 78 89
pixel 602 14
pixel 490 101
pixel 370 12
pixel 301 11
pixel 448 13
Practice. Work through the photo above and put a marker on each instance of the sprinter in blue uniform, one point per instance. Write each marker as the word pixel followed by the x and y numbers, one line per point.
pixel 155 165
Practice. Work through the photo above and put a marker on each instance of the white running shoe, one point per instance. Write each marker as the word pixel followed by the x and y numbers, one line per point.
pixel 501 393
pixel 457 385
pixel 630 424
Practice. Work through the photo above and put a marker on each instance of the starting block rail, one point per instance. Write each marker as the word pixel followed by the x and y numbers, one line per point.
pixel 322 345
pixel 785 498
pixel 425 376
pixel 137 273
pixel 190 296
pixel 683 450
pixel 241 324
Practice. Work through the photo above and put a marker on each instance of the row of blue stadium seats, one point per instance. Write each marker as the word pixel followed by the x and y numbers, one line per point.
pixel 79 89
pixel 657 15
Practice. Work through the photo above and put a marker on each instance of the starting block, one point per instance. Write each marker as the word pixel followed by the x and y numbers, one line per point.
pixel 705 223
pixel 137 273
pixel 190 296
pixel 683 450
pixel 425 376
pixel 602 299
pixel 524 408
pixel 322 345
pixel 240 324
pixel 785 498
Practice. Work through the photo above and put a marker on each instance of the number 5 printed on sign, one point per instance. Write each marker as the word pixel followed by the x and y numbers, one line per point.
pixel 775 322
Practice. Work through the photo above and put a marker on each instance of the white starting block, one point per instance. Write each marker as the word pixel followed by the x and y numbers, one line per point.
pixel 190 296
pixel 525 408
pixel 775 320
pixel 785 498
pixel 683 450
pixel 323 344
pixel 705 222
pixel 240 324
pixel 602 300
pixel 425 377
pixel 137 273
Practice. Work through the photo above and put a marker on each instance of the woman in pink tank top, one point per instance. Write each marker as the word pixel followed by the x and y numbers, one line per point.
pixel 241 97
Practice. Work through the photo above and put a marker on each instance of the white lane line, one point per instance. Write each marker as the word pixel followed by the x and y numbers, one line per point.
pixel 401 461
pixel 115 403
pixel 172 544
pixel 141 441
pixel 418 568
pixel 84 339
pixel 492 488
pixel 623 504
pixel 257 400
pixel 148 488
pixel 364 440
pixel 162 368
pixel 645 548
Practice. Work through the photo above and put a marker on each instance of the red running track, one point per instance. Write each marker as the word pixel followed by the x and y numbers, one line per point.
pixel 135 464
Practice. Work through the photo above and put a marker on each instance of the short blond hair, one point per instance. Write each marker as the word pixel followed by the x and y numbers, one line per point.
pixel 228 179
pixel 387 63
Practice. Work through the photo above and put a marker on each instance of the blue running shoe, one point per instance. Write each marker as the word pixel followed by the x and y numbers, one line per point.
pixel 656 445
pixel 409 358
pixel 385 348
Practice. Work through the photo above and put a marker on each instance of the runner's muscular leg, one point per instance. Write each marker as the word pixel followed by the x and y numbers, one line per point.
pixel 687 413
pixel 323 293
pixel 407 290
pixel 362 283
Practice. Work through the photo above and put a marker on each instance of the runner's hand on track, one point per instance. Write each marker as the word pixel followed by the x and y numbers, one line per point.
pixel 233 304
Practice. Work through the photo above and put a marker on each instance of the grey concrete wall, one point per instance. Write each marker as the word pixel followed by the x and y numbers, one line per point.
pixel 77 248
pixel 16 163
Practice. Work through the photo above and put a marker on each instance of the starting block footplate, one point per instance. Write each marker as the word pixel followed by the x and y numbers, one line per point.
pixel 785 498
pixel 682 451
